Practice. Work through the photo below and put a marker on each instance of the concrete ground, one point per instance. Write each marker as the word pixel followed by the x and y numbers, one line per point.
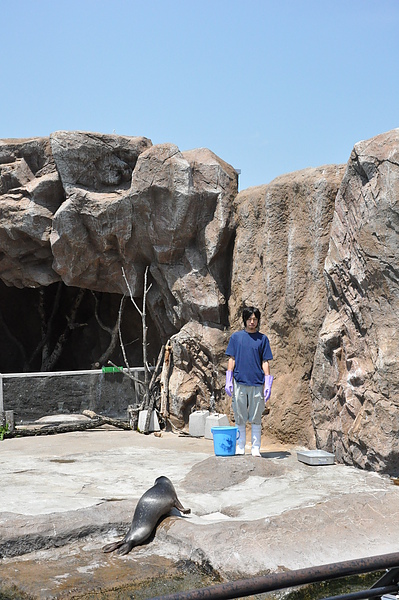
pixel 64 496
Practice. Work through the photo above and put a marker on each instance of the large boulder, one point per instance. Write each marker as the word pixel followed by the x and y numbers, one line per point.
pixel 130 204
pixel 355 377
pixel 92 227
pixel 182 205
pixel 198 375
pixel 281 244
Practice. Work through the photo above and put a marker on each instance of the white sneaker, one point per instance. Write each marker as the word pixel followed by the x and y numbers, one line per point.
pixel 255 451
pixel 240 450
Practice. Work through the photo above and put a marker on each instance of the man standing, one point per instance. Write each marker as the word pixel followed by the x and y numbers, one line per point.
pixel 248 379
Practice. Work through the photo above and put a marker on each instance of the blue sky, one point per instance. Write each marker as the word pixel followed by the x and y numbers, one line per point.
pixel 271 86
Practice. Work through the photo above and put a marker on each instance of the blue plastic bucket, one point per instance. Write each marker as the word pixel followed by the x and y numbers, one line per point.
pixel 224 440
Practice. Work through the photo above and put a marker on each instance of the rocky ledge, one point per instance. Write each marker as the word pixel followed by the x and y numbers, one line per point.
pixel 249 516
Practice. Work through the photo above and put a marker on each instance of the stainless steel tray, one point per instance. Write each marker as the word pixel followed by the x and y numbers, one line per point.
pixel 316 457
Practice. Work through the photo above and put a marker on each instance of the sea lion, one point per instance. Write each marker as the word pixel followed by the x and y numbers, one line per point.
pixel 153 504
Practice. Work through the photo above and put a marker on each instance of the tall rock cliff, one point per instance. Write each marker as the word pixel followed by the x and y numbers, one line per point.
pixel 281 243
pixel 355 378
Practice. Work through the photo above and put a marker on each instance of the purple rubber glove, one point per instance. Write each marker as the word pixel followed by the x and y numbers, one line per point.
pixel 268 387
pixel 229 383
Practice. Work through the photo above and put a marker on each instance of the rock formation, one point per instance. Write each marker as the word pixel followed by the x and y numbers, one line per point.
pixel 78 207
pixel 140 205
pixel 355 378
pixel 199 371
pixel 93 225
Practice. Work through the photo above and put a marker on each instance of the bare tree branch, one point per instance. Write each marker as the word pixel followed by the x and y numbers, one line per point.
pixel 121 342
pixel 95 421
pixel 120 369
pixel 46 324
pixel 52 358
pixel 130 292
pixel 164 409
pixel 142 313
pixel 97 315
pixel 149 397
pixel 151 394
pixel 145 329
pixel 113 331
pixel 157 367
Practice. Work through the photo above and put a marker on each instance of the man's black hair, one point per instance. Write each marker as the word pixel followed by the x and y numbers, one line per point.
pixel 248 311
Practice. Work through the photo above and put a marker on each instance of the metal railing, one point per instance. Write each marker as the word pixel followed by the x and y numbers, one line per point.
pixel 387 584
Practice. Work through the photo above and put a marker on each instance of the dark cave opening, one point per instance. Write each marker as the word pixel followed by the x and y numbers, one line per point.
pixel 55 328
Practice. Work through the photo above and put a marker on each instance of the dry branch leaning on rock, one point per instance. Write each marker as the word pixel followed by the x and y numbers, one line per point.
pixel 95 421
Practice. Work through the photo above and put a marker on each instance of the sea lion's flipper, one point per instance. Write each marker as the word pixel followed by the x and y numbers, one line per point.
pixel 125 548
pixel 180 507
pixel 113 546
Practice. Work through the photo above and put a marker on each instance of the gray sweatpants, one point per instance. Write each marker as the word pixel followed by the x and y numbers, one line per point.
pixel 248 403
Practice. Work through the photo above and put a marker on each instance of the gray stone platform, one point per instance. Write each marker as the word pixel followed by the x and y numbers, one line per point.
pixel 65 496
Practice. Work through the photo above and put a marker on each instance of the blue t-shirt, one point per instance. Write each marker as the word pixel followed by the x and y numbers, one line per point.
pixel 249 350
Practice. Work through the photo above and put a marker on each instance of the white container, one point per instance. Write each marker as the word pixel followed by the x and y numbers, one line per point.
pixel 154 423
pixel 316 457
pixel 196 423
pixel 215 420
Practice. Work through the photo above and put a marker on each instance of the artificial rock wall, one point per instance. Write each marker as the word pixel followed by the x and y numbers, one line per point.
pixel 315 250
pixel 355 377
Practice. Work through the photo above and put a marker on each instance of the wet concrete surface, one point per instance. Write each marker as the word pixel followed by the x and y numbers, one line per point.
pixel 65 496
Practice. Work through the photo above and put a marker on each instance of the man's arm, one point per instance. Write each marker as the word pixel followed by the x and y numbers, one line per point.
pixel 266 367
pixel 229 376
